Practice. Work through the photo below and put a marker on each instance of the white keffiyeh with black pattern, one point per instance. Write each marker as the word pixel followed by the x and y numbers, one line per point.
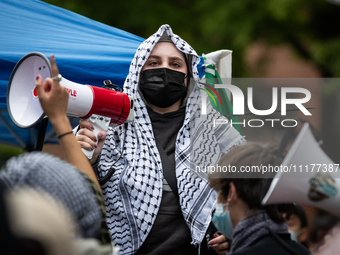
pixel 134 192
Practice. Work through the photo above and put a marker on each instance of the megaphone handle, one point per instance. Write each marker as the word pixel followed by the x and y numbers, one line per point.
pixel 99 123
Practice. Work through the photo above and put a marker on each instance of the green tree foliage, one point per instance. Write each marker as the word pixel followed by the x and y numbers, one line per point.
pixel 310 27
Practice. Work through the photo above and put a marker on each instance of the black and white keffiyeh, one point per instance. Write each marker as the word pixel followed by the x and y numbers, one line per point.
pixel 134 192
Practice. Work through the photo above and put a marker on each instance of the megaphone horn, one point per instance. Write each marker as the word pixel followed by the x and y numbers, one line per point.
pixel 306 176
pixel 101 106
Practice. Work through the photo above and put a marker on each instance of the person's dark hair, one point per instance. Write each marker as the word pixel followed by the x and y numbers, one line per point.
pixel 250 188
pixel 299 212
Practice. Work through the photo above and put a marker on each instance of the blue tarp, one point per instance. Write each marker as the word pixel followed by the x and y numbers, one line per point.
pixel 87 52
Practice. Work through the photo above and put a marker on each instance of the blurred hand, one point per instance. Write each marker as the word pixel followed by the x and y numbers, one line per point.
pixel 220 244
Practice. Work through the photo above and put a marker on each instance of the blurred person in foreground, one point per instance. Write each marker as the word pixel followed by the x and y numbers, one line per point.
pixel 239 216
pixel 62 182
pixel 31 223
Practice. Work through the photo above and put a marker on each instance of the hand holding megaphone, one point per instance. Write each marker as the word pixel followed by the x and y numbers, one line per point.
pixel 54 100
pixel 90 141
pixel 101 106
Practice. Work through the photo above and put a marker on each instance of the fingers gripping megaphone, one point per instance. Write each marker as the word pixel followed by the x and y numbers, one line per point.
pixel 103 107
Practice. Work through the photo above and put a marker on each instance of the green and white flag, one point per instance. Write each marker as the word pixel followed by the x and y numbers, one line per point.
pixel 218 96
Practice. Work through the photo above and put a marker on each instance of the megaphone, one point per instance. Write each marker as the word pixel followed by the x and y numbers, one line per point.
pixel 306 176
pixel 101 106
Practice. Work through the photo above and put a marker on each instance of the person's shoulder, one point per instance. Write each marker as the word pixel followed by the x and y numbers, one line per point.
pixel 269 245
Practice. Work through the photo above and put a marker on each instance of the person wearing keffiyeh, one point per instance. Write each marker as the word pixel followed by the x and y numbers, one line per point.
pixel 145 214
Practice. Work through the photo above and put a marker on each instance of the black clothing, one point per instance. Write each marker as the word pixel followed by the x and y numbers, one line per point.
pixel 165 128
pixel 169 234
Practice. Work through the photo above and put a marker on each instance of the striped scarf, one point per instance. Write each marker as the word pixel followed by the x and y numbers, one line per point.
pixel 134 192
pixel 252 228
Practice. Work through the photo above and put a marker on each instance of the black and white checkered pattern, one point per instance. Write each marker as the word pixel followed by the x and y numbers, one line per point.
pixel 134 192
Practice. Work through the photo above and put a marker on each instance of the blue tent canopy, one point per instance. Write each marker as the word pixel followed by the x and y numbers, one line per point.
pixel 87 52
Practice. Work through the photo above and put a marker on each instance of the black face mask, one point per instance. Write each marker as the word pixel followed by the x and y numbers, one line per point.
pixel 163 87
